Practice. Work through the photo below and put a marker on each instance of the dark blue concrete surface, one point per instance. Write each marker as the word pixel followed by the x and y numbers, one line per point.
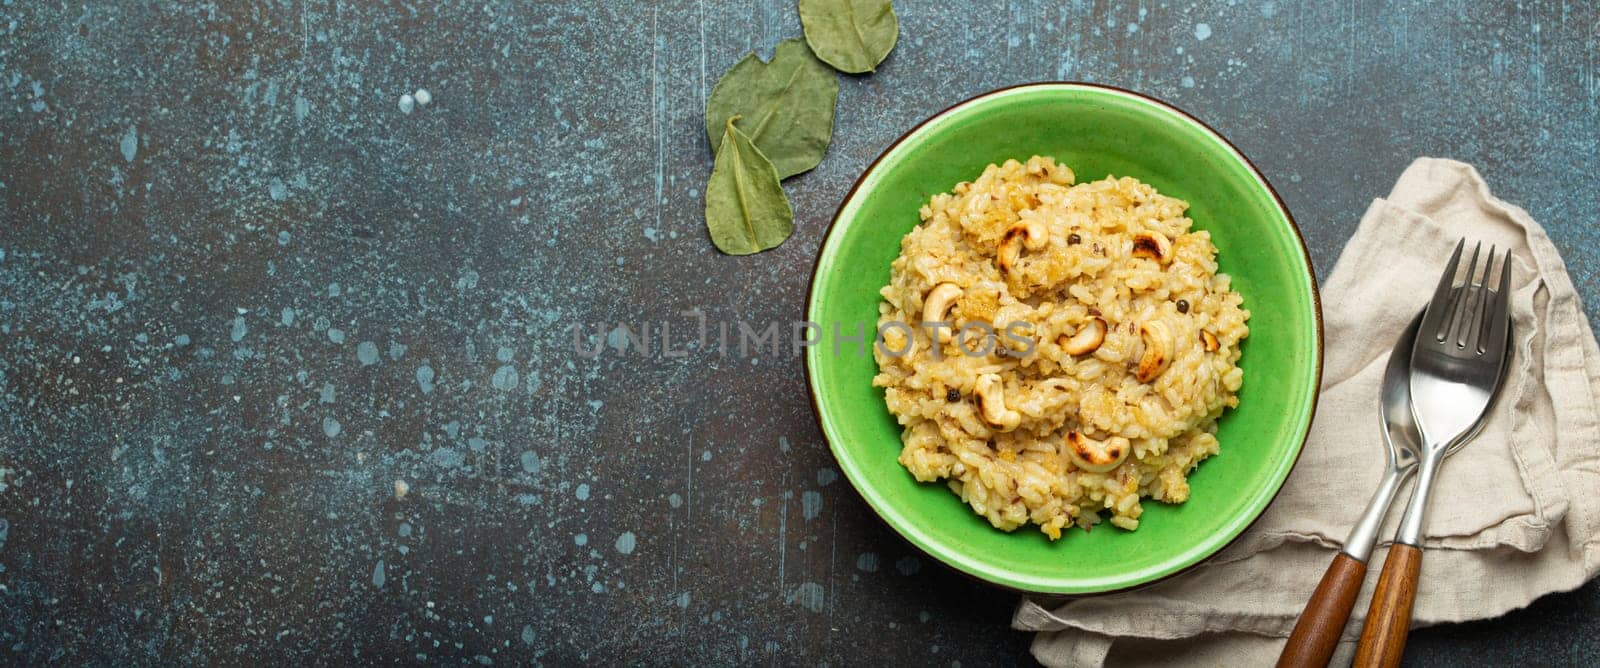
pixel 246 301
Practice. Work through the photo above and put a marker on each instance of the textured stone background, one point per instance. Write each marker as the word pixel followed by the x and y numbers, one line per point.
pixel 242 294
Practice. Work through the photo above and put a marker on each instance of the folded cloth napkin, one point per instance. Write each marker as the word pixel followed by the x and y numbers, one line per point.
pixel 1514 516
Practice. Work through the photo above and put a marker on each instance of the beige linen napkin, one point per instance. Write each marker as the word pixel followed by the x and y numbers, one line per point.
pixel 1516 513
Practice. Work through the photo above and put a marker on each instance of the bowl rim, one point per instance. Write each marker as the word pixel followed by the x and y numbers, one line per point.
pixel 1294 228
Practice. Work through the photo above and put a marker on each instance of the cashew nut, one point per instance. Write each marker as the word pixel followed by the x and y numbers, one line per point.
pixel 1087 340
pixel 1153 245
pixel 937 307
pixel 1096 456
pixel 992 403
pixel 1157 350
pixel 1208 341
pixel 1028 234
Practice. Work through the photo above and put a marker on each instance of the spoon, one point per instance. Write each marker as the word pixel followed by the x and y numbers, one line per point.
pixel 1317 632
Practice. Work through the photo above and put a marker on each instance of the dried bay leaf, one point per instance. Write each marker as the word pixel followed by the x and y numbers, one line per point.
pixel 851 35
pixel 786 104
pixel 746 210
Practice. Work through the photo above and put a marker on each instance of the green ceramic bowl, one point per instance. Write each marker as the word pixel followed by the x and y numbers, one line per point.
pixel 1096 131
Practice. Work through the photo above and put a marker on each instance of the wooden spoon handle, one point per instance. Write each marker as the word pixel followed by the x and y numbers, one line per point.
pixel 1383 639
pixel 1317 633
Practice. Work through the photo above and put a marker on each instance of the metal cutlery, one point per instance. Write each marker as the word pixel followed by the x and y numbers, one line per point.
pixel 1316 634
pixel 1457 364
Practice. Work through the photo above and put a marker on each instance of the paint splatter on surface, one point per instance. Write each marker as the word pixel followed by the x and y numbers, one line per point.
pixel 809 595
pixel 209 203
pixel 130 144
pixel 867 562
pixel 811 504
pixel 505 378
pixel 530 462
pixel 425 375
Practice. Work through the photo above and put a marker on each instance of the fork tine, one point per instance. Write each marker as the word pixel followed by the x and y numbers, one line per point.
pixel 1498 324
pixel 1434 319
pixel 1482 278
pixel 1457 315
pixel 1505 275
pixel 1473 335
pixel 1465 316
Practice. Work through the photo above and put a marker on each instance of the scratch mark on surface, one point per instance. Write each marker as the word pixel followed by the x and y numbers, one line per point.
pixel 1594 80
pixel 672 558
pixel 703 91
pixel 783 534
pixel 1350 53
pixel 1005 10
pixel 657 107
pixel 833 556
pixel 1536 62
pixel 305 42
pixel 672 526
pixel 688 492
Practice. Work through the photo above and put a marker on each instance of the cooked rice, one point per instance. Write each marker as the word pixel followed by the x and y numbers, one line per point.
pixel 1027 474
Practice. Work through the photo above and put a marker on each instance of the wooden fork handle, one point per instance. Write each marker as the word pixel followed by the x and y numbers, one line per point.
pixel 1315 636
pixel 1383 639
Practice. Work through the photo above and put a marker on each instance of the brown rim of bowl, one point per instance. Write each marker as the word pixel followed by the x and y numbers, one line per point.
pixel 1316 302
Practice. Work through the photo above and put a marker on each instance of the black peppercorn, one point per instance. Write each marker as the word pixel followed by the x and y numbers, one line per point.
pixel 1183 306
pixel 953 395
pixel 1073 239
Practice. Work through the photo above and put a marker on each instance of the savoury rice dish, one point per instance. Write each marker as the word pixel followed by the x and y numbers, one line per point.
pixel 1091 346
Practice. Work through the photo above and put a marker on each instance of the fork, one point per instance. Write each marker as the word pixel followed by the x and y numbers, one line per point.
pixel 1457 364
